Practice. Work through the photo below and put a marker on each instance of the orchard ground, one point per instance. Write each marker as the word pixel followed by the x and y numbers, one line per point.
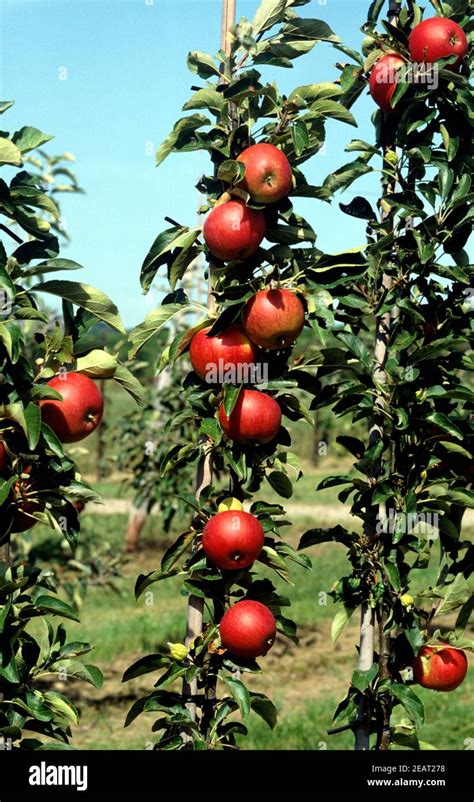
pixel 306 681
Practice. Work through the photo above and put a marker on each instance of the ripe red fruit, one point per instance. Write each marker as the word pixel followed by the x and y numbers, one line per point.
pixel 438 37
pixel 273 318
pixel 233 231
pixel 383 80
pixel 441 667
pixel 232 346
pixel 3 458
pixel 27 505
pixel 256 418
pixel 80 411
pixel 248 629
pixel 268 176
pixel 233 539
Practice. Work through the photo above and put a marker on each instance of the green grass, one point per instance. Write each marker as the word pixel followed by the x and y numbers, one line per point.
pixel 306 682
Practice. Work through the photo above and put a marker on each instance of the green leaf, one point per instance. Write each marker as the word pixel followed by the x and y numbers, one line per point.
pixel 203 64
pixel 97 364
pixel 52 266
pixel 339 622
pixel 53 442
pixel 178 237
pixel 175 551
pixel 315 29
pixel 343 177
pixel 94 301
pixel 231 171
pixel 374 10
pixel 231 395
pixel 410 701
pixel 240 694
pixel 74 668
pixel 268 556
pixel 359 207
pixel 61 706
pixel 9 153
pixel 362 679
pixel 337 534
pixel 183 128
pixel 153 322
pixel 281 484
pixel 130 383
pixel 145 580
pixel 29 138
pixel 206 99
pixel 352 444
pixel 311 92
pixel 145 665
pixel 5 105
pixel 264 707
pixel 455 595
pixel 444 423
pixel 300 136
pixel 33 424
pixel 54 606
pixel 268 14
pixel 356 347
pixel 331 108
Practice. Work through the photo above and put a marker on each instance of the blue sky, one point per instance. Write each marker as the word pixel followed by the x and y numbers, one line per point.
pixel 126 81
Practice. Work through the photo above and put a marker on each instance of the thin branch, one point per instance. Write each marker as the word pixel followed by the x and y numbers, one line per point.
pixel 11 234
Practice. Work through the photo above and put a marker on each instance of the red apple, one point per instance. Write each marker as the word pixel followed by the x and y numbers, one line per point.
pixel 233 539
pixel 80 411
pixel 438 37
pixel 383 80
pixel 233 231
pixel 232 346
pixel 273 318
pixel 26 505
pixel 440 667
pixel 268 177
pixel 3 458
pixel 248 629
pixel 256 418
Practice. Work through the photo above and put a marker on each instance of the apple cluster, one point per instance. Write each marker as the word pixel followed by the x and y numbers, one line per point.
pixel 232 540
pixel 72 418
pixel 429 41
pixel 271 320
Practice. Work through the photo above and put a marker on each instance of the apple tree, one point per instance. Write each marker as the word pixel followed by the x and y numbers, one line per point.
pixel 413 472
pixel 39 483
pixel 232 108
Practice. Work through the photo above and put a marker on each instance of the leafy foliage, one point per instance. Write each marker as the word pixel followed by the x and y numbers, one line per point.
pixel 231 110
pixel 38 481
pixel 416 466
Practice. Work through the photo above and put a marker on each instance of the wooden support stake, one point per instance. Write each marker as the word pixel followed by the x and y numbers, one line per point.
pixel 204 471
pixel 382 333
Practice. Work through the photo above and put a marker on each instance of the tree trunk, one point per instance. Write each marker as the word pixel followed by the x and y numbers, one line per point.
pixel 136 522
pixel 204 471
pixel 139 513
pixel 367 634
